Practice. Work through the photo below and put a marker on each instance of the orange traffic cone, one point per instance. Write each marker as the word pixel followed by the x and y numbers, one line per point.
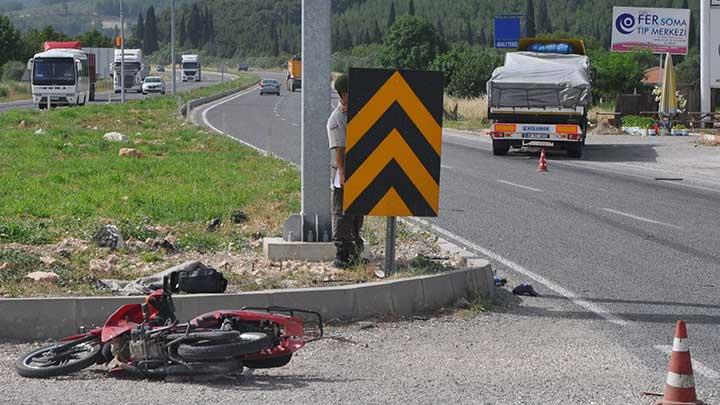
pixel 542 164
pixel 680 385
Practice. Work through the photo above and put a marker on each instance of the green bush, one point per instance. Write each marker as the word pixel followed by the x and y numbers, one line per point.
pixel 367 56
pixel 411 43
pixel 3 91
pixel 637 121
pixel 467 69
pixel 13 71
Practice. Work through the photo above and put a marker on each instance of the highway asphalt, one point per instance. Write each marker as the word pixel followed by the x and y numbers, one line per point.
pixel 601 233
pixel 209 79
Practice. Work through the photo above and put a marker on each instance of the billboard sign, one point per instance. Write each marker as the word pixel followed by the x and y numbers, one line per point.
pixel 715 48
pixel 659 30
pixel 508 31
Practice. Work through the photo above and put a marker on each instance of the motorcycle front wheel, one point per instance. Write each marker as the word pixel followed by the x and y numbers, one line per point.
pixel 60 358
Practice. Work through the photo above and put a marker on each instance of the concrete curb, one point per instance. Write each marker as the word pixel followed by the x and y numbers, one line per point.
pixel 29 319
pixel 192 104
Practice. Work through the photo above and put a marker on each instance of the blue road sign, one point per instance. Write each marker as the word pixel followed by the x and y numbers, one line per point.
pixel 508 31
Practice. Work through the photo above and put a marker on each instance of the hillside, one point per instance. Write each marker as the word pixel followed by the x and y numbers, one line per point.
pixel 271 28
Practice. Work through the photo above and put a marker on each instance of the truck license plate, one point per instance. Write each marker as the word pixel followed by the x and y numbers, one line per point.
pixel 531 135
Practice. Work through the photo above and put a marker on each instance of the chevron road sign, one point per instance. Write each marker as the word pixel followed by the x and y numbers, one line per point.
pixel 394 141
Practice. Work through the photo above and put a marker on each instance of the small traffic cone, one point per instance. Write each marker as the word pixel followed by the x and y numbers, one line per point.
pixel 542 164
pixel 680 385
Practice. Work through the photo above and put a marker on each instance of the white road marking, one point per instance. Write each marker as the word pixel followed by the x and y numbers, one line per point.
pixel 284 119
pixel 527 273
pixel 698 366
pixel 211 126
pixel 294 124
pixel 648 220
pixel 446 167
pixel 519 185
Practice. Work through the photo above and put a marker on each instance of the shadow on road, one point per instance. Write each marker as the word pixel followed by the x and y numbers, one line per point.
pixel 598 153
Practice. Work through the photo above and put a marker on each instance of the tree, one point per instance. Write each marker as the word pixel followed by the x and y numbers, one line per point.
pixel 10 44
pixel 377 35
pixel 542 19
pixel 440 28
pixel 412 43
pixel 469 32
pixel 95 39
pixel 182 33
pixel 692 40
pixel 411 8
pixel 194 29
pixel 530 19
pixel 617 73
pixel 467 69
pixel 32 41
pixel 150 39
pixel 391 17
pixel 139 33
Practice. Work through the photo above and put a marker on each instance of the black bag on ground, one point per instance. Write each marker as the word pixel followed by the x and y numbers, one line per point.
pixel 201 280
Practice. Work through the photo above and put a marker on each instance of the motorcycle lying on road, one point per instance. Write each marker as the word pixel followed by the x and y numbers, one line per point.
pixel 146 340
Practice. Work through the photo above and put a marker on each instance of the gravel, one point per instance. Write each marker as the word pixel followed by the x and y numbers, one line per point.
pixel 520 354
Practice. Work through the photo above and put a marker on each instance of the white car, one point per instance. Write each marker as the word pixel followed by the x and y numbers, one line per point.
pixel 153 84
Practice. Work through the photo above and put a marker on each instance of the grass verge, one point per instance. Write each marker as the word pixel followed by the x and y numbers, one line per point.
pixel 59 179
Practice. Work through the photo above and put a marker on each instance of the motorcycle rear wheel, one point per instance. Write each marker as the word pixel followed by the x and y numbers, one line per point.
pixel 47 362
pixel 248 343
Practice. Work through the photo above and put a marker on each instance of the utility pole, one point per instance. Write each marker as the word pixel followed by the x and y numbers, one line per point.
pixel 122 54
pixel 705 52
pixel 172 44
pixel 313 221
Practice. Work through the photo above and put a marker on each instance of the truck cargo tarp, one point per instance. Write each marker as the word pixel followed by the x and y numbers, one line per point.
pixel 534 80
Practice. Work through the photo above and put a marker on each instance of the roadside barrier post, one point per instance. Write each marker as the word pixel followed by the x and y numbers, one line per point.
pixel 390 232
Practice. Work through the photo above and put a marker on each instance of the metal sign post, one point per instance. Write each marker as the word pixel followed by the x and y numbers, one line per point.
pixel 122 54
pixel 222 73
pixel 172 44
pixel 390 236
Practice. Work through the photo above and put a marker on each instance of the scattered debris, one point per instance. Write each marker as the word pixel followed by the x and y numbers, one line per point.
pixel 40 132
pixel 500 281
pixel 116 137
pixel 365 325
pixel 214 224
pixel 4 266
pixel 525 289
pixel 604 128
pixel 258 235
pixel 238 217
pixel 462 303
pixel 43 276
pixel 109 236
pixel 130 152
pixel 68 246
pixel 48 261
pixel 167 243
pixel 134 245
pixel 22 124
pixel 100 266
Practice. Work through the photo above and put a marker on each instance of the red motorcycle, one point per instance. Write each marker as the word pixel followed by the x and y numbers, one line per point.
pixel 146 340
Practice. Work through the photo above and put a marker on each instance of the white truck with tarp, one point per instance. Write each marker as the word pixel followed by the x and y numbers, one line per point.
pixel 136 70
pixel 541 96
pixel 191 68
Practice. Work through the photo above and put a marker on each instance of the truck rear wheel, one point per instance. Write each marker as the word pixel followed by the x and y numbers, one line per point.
pixel 500 147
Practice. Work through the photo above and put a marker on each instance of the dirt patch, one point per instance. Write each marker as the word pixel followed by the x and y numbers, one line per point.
pixel 80 264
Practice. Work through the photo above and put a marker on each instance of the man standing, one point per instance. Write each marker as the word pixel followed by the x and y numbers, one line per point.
pixel 345 228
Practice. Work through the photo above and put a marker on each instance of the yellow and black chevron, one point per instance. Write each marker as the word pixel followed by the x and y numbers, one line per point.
pixel 394 142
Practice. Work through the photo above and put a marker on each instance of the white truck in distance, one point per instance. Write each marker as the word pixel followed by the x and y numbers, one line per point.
pixel 191 68
pixel 60 76
pixel 136 70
